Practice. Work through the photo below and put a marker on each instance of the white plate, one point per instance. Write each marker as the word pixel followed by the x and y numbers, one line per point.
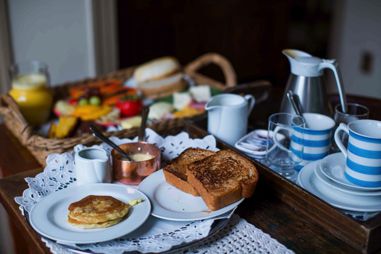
pixel 308 180
pixel 333 167
pixel 49 216
pixel 170 203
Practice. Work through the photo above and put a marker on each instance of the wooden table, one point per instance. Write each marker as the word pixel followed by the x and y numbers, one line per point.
pixel 282 222
pixel 288 225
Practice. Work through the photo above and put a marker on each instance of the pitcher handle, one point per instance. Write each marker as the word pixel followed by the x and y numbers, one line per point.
pixel 340 145
pixel 251 100
pixel 334 67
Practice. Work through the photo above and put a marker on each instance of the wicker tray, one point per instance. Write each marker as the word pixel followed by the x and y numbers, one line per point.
pixel 41 146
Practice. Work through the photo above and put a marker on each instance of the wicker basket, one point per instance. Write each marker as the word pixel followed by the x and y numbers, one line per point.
pixel 40 146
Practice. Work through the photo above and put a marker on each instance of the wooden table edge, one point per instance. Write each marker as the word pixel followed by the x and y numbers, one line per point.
pixel 14 212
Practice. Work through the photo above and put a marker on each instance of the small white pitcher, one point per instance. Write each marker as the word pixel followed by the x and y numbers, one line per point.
pixel 227 116
pixel 92 166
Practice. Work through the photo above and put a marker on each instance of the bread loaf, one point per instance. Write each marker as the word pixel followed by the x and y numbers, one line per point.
pixel 223 178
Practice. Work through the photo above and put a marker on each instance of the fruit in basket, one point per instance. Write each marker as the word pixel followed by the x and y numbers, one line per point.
pixel 83 102
pixel 160 110
pixel 63 128
pixel 131 122
pixel 91 112
pixel 109 119
pixel 95 100
pixel 99 87
pixel 63 108
pixel 187 112
pixel 129 106
pixel 181 100
pixel 200 93
pixel 111 100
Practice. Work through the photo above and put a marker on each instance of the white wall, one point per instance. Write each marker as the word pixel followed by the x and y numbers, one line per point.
pixel 357 29
pixel 56 32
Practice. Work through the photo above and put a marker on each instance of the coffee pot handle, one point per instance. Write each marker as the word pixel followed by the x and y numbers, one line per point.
pixel 334 67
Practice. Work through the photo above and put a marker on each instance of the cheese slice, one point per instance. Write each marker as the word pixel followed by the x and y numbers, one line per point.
pixel 200 93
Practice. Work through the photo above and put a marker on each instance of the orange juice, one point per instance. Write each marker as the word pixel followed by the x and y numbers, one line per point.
pixel 33 96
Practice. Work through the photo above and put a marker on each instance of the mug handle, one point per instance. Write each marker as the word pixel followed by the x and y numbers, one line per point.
pixel 251 100
pixel 276 141
pixel 340 145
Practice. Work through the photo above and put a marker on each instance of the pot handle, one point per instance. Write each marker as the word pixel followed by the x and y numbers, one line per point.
pixel 334 67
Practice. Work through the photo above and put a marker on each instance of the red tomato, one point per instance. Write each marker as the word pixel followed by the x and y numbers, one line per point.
pixel 129 107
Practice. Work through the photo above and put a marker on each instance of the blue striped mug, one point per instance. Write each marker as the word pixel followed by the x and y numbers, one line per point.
pixel 363 153
pixel 313 142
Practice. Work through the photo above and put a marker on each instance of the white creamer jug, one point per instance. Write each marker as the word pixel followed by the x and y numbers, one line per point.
pixel 92 166
pixel 227 116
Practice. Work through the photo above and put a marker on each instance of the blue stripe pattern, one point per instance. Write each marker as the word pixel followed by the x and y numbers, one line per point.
pixel 362 183
pixel 367 154
pixel 363 169
pixel 312 132
pixel 310 143
pixel 364 139
pixel 308 156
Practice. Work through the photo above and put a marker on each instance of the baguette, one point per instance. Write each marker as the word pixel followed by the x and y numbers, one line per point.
pixel 175 172
pixel 223 178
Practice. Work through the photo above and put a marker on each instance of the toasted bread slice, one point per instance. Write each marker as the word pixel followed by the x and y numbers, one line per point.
pixel 176 171
pixel 223 178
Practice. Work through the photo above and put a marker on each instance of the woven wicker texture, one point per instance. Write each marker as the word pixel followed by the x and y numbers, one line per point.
pixel 41 146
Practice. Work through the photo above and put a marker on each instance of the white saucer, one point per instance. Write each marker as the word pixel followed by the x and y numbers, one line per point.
pixel 49 216
pixel 309 181
pixel 319 174
pixel 333 167
pixel 170 203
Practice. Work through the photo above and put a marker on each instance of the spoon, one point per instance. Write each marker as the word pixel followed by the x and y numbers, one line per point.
pixel 296 105
pixel 142 129
pixel 96 132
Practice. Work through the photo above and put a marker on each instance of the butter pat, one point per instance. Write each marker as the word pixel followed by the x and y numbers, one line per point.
pixel 181 100
pixel 135 201
pixel 200 93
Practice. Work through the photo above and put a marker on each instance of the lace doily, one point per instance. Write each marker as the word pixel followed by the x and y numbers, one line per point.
pixel 159 235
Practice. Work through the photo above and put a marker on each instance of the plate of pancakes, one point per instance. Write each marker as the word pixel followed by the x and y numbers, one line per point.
pixel 90 213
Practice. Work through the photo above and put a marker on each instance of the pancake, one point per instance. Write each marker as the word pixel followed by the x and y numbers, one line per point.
pixel 97 225
pixel 97 210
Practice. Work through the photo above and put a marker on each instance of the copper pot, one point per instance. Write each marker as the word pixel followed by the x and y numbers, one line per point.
pixel 133 172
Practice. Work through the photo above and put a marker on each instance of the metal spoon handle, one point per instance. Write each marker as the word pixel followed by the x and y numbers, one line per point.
pixel 295 103
pixel 96 132
pixel 290 96
pixel 142 129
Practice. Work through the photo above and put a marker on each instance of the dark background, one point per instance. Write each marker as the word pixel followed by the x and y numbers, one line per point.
pixel 251 34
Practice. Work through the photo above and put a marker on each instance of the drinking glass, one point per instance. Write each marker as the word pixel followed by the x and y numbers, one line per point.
pixel 279 156
pixel 30 90
pixel 355 111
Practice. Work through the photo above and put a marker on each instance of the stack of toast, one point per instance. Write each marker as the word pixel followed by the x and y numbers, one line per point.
pixel 220 178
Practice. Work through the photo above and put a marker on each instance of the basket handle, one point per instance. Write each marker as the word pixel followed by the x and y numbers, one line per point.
pixel 220 61
pixel 9 108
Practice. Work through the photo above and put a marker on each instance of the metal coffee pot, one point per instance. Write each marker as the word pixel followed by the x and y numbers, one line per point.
pixel 306 82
